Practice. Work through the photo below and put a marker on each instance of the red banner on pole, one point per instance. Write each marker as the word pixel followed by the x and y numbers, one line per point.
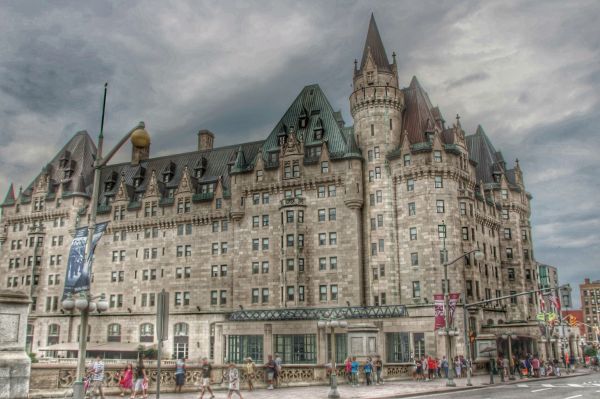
pixel 438 303
pixel 453 300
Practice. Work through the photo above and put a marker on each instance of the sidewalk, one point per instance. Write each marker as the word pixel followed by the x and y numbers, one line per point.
pixel 394 389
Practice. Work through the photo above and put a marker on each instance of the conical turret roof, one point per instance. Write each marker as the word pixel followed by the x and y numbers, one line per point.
pixel 374 44
pixel 10 196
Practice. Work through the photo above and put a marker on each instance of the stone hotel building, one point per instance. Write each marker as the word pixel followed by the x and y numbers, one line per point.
pixel 256 242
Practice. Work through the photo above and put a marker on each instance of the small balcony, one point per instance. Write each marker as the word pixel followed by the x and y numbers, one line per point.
pixel 200 197
pixel 294 201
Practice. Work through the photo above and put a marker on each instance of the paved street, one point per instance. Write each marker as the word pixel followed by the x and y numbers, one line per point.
pixel 583 386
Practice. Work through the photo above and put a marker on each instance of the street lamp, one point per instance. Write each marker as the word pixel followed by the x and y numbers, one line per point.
pixel 510 337
pixel 82 303
pixel 448 331
pixel 333 324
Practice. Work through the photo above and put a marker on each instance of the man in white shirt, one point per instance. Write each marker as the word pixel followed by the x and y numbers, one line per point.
pixel 97 370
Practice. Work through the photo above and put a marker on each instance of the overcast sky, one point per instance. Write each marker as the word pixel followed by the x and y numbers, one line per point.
pixel 528 72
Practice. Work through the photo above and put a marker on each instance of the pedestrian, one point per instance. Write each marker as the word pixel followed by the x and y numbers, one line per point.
pixel 355 367
pixel 419 369
pixel 271 369
pixel 457 367
pixel 379 370
pixel 179 374
pixel 505 367
pixel 535 365
pixel 438 367
pixel 348 370
pixel 368 370
pixel 425 368
pixel 206 370
pixel 140 377
pixel 233 376
pixel 572 363
pixel 97 370
pixel 278 369
pixel 445 366
pixel 126 379
pixel 250 372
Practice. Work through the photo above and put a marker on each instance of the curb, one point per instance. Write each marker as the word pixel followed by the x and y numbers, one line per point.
pixel 475 387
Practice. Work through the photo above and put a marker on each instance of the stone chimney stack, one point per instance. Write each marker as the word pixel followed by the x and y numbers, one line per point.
pixel 205 140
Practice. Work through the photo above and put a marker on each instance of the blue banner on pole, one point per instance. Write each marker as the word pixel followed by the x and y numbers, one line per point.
pixel 78 267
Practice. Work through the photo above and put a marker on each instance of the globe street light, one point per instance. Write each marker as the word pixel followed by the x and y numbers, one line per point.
pixel 333 324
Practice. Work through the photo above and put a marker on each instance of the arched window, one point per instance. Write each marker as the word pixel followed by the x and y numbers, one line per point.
pixel 181 340
pixel 114 332
pixel 490 322
pixel 147 332
pixel 53 334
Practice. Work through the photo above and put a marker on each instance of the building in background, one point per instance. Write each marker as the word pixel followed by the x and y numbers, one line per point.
pixel 590 295
pixel 548 276
pixel 256 241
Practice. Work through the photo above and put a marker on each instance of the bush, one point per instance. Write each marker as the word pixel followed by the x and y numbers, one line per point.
pixel 590 351
pixel 33 357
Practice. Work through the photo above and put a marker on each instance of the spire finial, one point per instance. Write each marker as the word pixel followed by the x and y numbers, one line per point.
pixel 393 57
pixel 457 120
pixel 355 64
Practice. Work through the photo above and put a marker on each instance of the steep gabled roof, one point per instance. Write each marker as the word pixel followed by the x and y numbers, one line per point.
pixel 482 151
pixel 374 44
pixel 10 196
pixel 80 152
pixel 418 116
pixel 320 114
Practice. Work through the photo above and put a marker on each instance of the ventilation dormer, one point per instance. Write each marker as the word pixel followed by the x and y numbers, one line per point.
pixel 282 135
pixel 111 181
pixel 138 177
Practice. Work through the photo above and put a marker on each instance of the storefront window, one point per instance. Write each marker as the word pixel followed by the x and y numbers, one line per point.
pixel 398 347
pixel 296 349
pixel 242 346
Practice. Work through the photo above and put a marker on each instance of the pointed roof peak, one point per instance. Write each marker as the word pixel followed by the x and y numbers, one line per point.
pixel 10 196
pixel 414 84
pixel 374 45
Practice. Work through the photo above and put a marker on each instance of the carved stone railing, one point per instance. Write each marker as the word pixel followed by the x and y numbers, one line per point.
pixel 48 377
pixel 293 201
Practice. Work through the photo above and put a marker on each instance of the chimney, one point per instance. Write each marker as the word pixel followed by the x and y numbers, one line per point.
pixel 205 140
pixel 587 281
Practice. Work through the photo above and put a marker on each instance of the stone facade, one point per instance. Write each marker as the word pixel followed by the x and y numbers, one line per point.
pixel 319 215
pixel 590 298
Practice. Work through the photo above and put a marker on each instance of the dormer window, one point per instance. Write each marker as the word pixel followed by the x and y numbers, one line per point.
pixel 200 168
pixel 207 188
pixel 168 172
pixel 318 131
pixel 282 136
pixel 171 193
pixel 370 77
pixel 167 177
pixel 137 182
pixel 303 119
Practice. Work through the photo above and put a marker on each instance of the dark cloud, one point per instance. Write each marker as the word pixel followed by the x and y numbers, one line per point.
pixel 528 71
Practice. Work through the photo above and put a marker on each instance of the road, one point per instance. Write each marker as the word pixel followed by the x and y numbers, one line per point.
pixel 585 386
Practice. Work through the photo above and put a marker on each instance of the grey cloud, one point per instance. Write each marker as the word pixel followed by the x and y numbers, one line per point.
pixel 529 71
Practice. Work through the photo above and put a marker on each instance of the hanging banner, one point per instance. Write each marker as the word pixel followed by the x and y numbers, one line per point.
pixel 438 305
pixel 78 267
pixel 452 301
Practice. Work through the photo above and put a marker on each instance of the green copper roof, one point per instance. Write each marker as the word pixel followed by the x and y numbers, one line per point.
pixel 311 102
pixel 10 197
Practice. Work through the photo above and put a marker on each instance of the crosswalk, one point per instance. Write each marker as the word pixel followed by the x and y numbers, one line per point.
pixel 544 387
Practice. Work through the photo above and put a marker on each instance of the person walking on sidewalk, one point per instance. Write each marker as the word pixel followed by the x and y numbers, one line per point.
pixel 457 366
pixel 233 376
pixel 271 369
pixel 348 370
pixel 250 373
pixel 97 377
pixel 140 379
pixel 378 370
pixel 368 370
pixel 206 369
pixel 179 375
pixel 355 366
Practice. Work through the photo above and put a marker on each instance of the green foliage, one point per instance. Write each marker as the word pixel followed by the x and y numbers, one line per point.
pixel 147 353
pixel 590 351
pixel 33 357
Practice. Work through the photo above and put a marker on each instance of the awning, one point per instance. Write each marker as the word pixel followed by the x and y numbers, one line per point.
pixel 97 347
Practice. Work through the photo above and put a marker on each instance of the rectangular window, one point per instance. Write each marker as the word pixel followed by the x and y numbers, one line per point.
pixel 289 216
pixel 265 220
pixel 297 349
pixel 240 347
pixel 376 151
pixel 439 206
pixel 463 208
pixel 290 240
pixel 437 156
pixel 379 196
pixel 324 167
pixel 416 289
pixel 322 293
pixel 378 172
pixel 214 248
pixel 255 267
pixel 442 231
pixel 321 192
pixel 504 194
pixel 322 263
pixel 398 347
pixel 333 238
pixel 265 295
pixel 379 221
pixel 381 245
pixel 321 215
pixel 331 190
pixel 265 267
pixel 505 214
pixel 290 265
pixel 265 244
pixel 509 253
pixel 301 293
pixel 412 209
pixel 332 214
pixel 439 182
pixel 406 159
pixel 410 185
pixel 414 259
pixel 333 263
pixel 255 295
pixel 465 233
pixel 300 265
pixel 290 293
pixel 322 238
pixel 507 234
pixel 333 292
pixel 413 233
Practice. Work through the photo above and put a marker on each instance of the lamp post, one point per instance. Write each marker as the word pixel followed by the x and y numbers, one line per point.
pixel 83 303
pixel 510 336
pixel 449 332
pixel 333 324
